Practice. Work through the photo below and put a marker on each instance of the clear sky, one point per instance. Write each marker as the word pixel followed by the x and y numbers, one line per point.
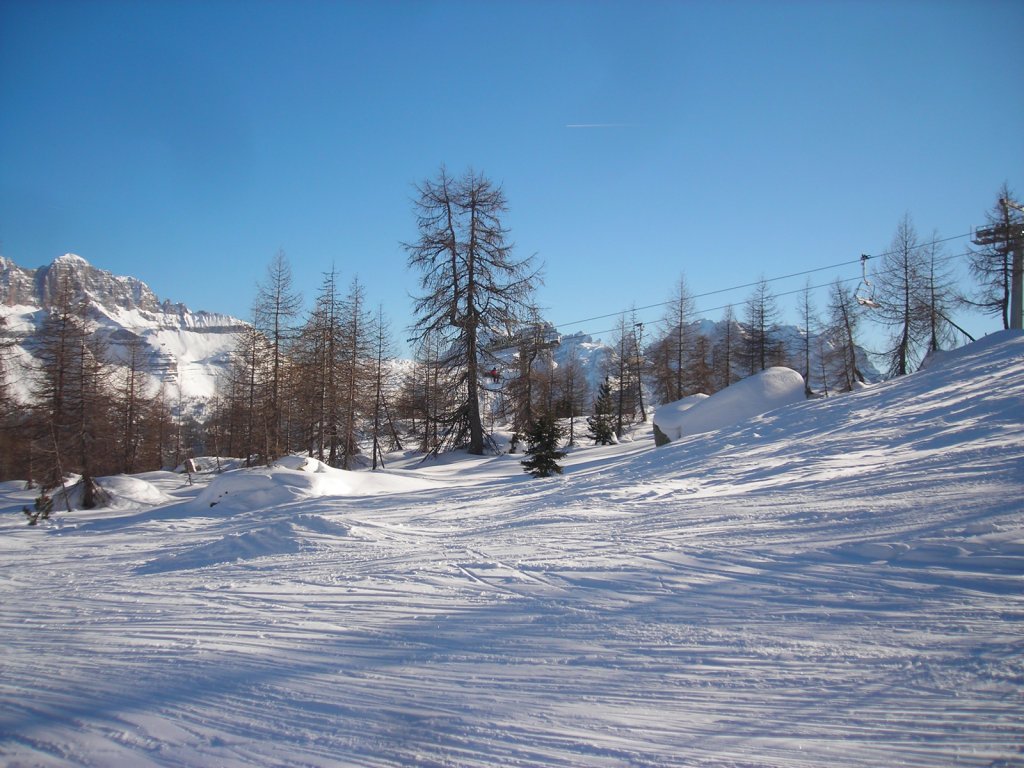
pixel 185 142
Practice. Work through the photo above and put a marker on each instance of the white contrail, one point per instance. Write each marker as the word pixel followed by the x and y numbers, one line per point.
pixel 600 125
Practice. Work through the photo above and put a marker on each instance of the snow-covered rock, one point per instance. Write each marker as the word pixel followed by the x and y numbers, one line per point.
pixel 668 417
pixel 765 391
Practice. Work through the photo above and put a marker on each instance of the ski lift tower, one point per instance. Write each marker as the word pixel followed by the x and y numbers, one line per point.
pixel 1011 233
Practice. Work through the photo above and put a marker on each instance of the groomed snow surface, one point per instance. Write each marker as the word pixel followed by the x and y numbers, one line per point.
pixel 835 583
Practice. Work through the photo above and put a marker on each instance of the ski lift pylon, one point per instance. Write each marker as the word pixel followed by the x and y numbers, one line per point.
pixel 865 293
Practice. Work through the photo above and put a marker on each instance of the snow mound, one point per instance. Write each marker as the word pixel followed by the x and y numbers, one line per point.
pixel 248 489
pixel 668 417
pixel 765 391
pixel 304 464
pixel 320 524
pixel 127 492
pixel 294 478
pixel 278 539
pixel 115 492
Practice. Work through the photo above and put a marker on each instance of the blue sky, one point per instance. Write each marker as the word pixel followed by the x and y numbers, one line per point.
pixel 186 142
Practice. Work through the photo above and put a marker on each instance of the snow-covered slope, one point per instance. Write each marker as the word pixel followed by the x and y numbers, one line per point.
pixel 835 583
pixel 185 350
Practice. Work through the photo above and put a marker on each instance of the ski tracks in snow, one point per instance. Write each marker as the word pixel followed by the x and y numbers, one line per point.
pixel 849 595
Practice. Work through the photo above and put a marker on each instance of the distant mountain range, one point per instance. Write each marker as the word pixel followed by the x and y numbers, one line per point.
pixel 186 349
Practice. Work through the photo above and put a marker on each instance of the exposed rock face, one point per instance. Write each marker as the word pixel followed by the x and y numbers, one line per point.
pixel 99 285
pixel 17 285
pixel 185 350
pixel 103 290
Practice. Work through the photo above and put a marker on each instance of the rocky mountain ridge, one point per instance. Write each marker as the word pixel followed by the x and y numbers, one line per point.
pixel 186 350
pixel 111 294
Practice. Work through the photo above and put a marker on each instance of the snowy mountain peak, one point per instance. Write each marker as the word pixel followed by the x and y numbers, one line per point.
pixel 107 294
pixel 71 258
pixel 187 349
pixel 95 285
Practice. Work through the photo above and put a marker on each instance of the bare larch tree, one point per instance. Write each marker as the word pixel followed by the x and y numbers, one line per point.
pixel 471 285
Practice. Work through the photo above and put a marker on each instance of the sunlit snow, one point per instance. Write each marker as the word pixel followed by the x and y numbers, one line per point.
pixel 834 582
pixel 771 388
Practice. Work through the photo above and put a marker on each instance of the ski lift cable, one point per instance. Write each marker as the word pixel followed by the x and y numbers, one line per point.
pixel 720 307
pixel 703 295
pixel 841 281
pixel 757 282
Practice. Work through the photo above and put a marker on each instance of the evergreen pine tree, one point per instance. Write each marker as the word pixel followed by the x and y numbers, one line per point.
pixel 601 426
pixel 543 436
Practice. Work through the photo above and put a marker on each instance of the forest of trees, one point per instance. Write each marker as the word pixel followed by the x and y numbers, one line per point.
pixel 324 382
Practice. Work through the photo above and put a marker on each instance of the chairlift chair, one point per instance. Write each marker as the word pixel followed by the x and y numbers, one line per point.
pixel 865 293
pixel 550 339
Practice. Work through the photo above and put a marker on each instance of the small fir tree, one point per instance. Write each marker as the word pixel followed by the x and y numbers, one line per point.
pixel 543 436
pixel 601 426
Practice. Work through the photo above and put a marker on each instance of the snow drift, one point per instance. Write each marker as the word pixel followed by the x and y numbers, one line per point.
pixel 296 478
pixel 771 388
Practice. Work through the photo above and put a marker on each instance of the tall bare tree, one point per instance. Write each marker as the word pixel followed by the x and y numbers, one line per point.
pixel 6 345
pixel 357 355
pixel 471 285
pixel 72 394
pixel 249 385
pixel 726 351
pixel 131 401
pixel 937 298
pixel 427 396
pixel 574 391
pixel 841 334
pixel 624 364
pixel 809 320
pixel 382 387
pixel 703 372
pixel 160 430
pixel 61 339
pixel 13 426
pixel 318 358
pixel 675 344
pixel 277 306
pixel 761 342
pixel 899 288
pixel 529 389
